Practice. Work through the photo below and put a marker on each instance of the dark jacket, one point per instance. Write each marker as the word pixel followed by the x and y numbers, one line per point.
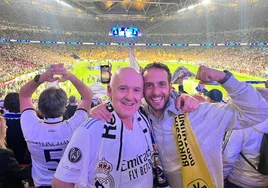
pixel 11 173
pixel 15 139
pixel 70 110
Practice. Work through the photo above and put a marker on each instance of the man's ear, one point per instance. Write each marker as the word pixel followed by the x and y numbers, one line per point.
pixel 109 91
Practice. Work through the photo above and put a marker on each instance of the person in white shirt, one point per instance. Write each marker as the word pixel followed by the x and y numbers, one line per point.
pixel 245 142
pixel 47 138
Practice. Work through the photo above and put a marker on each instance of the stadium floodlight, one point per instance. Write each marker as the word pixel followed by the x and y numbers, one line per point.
pixel 183 9
pixel 192 6
pixel 64 4
pixel 203 2
pixel 206 2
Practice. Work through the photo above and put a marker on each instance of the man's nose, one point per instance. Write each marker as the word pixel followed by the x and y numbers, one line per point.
pixel 129 95
pixel 155 90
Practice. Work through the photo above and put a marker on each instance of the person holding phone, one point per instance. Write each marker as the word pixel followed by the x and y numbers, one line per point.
pixel 106 73
pixel 47 138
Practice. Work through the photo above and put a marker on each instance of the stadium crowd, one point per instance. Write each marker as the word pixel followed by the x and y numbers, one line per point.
pixel 17 59
pixel 57 140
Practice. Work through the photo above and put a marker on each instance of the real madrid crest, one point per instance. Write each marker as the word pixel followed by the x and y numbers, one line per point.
pixel 103 178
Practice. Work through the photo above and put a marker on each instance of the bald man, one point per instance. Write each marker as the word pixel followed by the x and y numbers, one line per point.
pixel 111 154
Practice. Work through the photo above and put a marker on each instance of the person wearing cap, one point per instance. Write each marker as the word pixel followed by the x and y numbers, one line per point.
pixel 214 96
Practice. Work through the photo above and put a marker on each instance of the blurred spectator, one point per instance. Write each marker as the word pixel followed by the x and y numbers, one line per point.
pixel 11 173
pixel 214 96
pixel 71 107
pixel 15 139
pixel 243 145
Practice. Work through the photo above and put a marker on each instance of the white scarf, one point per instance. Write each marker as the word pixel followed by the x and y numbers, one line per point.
pixel 112 147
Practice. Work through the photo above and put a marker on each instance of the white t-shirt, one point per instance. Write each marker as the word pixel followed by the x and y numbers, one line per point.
pixel 47 141
pixel 135 167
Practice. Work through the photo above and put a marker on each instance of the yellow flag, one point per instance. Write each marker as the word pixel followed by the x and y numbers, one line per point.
pixel 194 169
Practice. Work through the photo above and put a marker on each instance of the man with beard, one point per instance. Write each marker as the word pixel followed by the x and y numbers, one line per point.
pixel 209 122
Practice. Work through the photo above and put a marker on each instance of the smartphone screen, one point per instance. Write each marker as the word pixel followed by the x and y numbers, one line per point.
pixel 105 74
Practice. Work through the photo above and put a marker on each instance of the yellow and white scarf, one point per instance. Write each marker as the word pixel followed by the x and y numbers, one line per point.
pixel 195 172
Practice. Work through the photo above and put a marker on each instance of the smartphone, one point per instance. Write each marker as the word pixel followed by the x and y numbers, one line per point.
pixel 105 74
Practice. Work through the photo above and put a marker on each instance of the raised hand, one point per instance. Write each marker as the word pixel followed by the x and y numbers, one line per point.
pixel 48 76
pixel 60 70
pixel 207 75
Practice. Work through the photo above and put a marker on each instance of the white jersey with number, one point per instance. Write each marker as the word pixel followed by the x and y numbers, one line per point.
pixel 47 141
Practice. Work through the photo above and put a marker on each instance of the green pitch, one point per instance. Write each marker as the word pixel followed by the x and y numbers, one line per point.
pixel 82 72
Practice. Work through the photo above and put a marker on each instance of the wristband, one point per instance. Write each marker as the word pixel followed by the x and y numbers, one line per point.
pixel 37 79
pixel 227 76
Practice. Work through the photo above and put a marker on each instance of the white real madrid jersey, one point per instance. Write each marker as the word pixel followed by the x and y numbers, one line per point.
pixel 47 141
pixel 136 169
pixel 80 162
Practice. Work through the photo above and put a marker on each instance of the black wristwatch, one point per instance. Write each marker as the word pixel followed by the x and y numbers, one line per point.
pixel 37 78
pixel 227 76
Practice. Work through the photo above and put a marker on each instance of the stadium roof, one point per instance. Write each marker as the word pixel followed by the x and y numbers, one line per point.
pixel 131 9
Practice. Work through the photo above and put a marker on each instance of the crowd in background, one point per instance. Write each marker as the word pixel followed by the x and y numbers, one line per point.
pixel 17 59
pixel 34 22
